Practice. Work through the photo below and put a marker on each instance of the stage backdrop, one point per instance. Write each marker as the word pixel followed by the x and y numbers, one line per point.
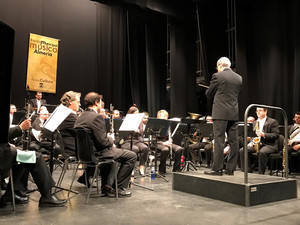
pixel 42 64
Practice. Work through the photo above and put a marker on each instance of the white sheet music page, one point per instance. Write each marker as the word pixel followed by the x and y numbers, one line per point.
pixel 131 122
pixel 57 117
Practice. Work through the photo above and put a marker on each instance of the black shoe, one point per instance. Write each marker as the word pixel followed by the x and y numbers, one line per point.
pixel 21 194
pixel 3 185
pixel 123 192
pixel 81 180
pixel 7 197
pixel 51 201
pixel 214 173
pixel 229 172
pixel 108 191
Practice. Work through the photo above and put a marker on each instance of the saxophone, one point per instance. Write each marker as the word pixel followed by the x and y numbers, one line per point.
pixel 283 159
pixel 256 140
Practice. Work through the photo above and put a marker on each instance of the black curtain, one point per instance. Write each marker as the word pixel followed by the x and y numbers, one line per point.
pixel 6 57
pixel 183 84
pixel 268 54
pixel 111 56
pixel 156 57
pixel 136 56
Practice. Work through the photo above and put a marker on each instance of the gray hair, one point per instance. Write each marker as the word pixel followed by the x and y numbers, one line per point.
pixel 69 96
pixel 224 62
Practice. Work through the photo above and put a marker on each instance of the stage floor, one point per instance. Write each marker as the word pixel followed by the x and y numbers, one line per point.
pixel 163 206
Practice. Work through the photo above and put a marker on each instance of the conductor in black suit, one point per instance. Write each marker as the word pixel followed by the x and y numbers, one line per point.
pixel 37 102
pixel 224 90
pixel 92 121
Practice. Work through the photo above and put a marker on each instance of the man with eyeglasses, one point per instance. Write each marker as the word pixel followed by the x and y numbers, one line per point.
pixel 267 130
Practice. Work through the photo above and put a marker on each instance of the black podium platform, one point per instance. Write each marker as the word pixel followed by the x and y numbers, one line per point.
pixel 260 189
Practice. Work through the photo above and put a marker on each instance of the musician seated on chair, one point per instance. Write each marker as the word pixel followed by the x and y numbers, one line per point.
pixel 267 131
pixel 294 135
pixel 41 139
pixel 164 145
pixel 202 143
pixel 39 171
pixel 70 99
pixel 138 145
pixel 95 124
pixel 37 102
pixel 116 114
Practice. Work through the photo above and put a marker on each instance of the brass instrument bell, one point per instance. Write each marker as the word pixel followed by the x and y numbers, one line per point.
pixel 194 116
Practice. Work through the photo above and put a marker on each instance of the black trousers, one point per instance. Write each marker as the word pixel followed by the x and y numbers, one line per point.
pixel 263 156
pixel 219 129
pixel 165 149
pixel 39 171
pixel 127 160
pixel 138 148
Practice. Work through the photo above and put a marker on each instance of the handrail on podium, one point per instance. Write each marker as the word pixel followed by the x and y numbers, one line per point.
pixel 246 134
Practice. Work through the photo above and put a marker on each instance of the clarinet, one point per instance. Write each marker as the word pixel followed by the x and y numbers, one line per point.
pixel 26 134
pixel 111 120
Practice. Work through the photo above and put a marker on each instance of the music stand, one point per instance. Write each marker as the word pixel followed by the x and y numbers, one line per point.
pixel 18 117
pixel 57 117
pixel 128 127
pixel 250 131
pixel 156 128
pixel 188 163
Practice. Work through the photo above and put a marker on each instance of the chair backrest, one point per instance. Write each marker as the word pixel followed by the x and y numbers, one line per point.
pixel 84 146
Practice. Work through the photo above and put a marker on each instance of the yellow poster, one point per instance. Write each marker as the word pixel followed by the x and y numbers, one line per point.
pixel 42 64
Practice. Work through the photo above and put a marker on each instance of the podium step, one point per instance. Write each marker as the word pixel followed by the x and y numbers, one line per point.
pixel 260 189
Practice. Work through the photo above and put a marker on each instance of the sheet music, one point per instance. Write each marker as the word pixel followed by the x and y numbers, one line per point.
pixel 57 117
pixel 36 134
pixel 132 122
pixel 175 129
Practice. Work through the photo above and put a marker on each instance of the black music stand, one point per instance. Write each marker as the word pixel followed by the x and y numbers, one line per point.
pixel 128 128
pixel 250 131
pixel 156 128
pixel 52 123
pixel 188 164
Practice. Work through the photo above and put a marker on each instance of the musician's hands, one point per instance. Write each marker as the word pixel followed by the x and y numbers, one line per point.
pixel 168 143
pixel 25 125
pixel 111 135
pixel 296 147
pixel 260 134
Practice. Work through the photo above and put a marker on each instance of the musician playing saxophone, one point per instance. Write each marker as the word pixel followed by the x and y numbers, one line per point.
pixel 294 135
pixel 267 130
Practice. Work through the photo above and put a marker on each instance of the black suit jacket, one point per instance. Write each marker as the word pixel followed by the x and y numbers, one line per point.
pixel 33 103
pixel 8 154
pixel 224 90
pixel 68 136
pixel 92 121
pixel 271 130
